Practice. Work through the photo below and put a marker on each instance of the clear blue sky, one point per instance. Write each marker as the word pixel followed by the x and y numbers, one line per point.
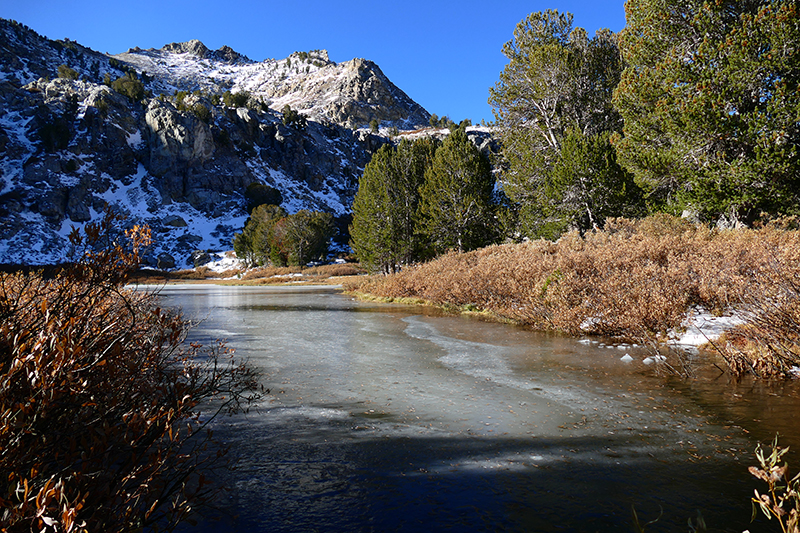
pixel 443 54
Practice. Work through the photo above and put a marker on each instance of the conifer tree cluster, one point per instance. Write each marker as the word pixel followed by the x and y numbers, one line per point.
pixel 693 106
pixel 420 199
pixel 271 236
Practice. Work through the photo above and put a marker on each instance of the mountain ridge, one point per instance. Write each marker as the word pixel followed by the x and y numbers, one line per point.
pixel 181 157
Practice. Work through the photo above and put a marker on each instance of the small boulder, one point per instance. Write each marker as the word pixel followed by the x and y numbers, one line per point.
pixel 165 261
pixel 200 258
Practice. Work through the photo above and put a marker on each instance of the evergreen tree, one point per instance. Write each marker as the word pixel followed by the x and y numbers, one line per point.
pixel 254 244
pixel 302 237
pixel 130 86
pixel 371 232
pixel 557 81
pixel 710 100
pixel 456 199
pixel 383 232
pixel 293 119
pixel 586 186
pixel 257 194
pixel 384 229
pixel 67 73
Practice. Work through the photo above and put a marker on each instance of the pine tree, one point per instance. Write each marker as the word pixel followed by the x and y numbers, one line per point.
pixel 710 100
pixel 557 80
pixel 456 198
pixel 370 232
pixel 254 245
pixel 301 238
pixel 587 185
pixel 384 230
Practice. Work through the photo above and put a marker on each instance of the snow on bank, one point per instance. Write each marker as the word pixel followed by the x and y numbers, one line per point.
pixel 224 261
pixel 701 327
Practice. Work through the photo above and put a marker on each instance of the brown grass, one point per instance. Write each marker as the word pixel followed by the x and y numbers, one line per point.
pixel 635 279
pixel 256 276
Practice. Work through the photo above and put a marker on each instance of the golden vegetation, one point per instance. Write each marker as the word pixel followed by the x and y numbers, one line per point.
pixel 255 276
pixel 636 279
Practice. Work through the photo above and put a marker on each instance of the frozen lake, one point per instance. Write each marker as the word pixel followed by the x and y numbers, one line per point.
pixel 383 418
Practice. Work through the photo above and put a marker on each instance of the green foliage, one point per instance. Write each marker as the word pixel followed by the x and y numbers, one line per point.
pixel 782 499
pixel 254 244
pixel 373 125
pixel 710 101
pixel 444 122
pixel 67 73
pixel 558 81
pixel 201 112
pixel 272 236
pixel 384 230
pixel 258 194
pixel 293 119
pixel 238 99
pixel 198 109
pixel 129 86
pixel 456 199
pixel 301 238
pixel 585 186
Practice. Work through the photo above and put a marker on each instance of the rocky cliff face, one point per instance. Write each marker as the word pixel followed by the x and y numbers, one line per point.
pixel 350 94
pixel 70 146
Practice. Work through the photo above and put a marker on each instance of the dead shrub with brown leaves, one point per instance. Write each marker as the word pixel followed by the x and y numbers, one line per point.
pixel 101 405
pixel 635 279
pixel 768 344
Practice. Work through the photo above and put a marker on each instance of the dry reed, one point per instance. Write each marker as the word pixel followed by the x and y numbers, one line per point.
pixel 636 279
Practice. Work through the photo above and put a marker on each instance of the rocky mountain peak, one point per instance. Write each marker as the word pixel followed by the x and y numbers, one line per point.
pixel 197 49
pixel 193 47
pixel 174 146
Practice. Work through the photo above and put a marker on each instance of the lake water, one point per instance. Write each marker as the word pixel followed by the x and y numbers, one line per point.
pixel 391 418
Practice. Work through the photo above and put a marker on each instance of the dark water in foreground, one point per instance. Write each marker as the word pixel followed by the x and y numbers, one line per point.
pixel 384 419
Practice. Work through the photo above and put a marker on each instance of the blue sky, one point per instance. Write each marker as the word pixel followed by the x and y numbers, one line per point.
pixel 443 54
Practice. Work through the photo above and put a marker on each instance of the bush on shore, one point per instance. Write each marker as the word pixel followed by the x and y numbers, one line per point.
pixel 636 279
pixel 100 400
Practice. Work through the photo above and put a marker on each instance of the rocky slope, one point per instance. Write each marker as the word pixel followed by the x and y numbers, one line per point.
pixel 71 144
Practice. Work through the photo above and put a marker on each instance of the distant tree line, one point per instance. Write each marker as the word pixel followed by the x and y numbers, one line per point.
pixel 273 237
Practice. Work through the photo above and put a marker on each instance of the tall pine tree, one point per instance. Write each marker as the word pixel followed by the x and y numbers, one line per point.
pixel 383 233
pixel 557 86
pixel 456 204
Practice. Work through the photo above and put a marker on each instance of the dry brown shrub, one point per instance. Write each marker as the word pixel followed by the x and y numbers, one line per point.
pixel 268 272
pixel 100 403
pixel 768 344
pixel 335 270
pixel 636 279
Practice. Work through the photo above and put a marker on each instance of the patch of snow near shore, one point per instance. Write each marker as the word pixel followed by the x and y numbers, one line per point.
pixel 701 327
pixel 224 261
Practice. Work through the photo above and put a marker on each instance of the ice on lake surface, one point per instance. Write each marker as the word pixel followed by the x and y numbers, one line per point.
pixel 382 418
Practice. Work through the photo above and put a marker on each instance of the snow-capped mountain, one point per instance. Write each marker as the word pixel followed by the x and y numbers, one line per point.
pixel 70 143
pixel 350 94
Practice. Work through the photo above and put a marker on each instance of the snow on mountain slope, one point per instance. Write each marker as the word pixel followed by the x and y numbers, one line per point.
pixel 350 94
pixel 68 146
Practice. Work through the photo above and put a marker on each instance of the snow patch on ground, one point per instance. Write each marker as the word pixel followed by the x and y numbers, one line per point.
pixel 701 327
pixel 224 261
